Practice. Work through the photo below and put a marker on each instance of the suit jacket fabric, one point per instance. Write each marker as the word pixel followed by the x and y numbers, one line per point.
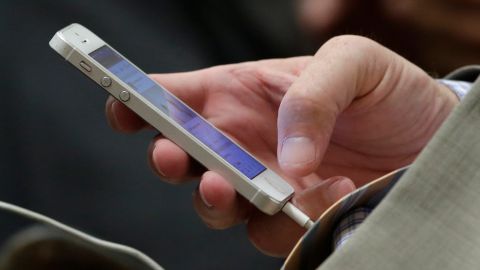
pixel 431 218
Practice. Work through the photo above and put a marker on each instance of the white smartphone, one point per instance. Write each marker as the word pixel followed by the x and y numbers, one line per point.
pixel 173 118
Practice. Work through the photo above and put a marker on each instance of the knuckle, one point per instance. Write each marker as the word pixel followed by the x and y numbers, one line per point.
pixel 304 108
pixel 348 45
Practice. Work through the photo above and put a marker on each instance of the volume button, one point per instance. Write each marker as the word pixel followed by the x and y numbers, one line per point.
pixel 85 66
pixel 106 81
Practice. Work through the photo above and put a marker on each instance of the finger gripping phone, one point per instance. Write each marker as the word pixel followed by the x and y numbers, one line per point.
pixel 172 117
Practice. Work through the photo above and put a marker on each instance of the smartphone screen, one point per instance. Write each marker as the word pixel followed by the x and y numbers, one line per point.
pixel 178 112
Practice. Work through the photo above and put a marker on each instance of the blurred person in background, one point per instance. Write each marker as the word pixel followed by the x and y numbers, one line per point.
pixel 437 35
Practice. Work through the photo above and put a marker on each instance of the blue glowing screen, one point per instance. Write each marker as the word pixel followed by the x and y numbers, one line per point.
pixel 178 111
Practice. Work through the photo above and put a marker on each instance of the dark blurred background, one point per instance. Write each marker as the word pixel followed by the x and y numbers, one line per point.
pixel 59 157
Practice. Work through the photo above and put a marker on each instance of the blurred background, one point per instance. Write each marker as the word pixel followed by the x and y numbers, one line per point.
pixel 59 157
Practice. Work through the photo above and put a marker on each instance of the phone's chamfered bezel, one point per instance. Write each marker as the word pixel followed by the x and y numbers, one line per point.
pixel 267 191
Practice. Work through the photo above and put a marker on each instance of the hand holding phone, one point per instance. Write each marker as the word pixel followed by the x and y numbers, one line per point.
pixel 349 127
pixel 272 234
pixel 215 150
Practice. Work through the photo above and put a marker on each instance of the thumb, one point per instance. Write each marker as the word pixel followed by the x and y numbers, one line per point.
pixel 344 68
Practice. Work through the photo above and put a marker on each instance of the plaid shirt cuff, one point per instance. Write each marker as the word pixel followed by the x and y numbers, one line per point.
pixel 460 88
pixel 348 224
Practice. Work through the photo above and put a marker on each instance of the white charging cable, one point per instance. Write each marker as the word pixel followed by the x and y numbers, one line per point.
pixel 297 215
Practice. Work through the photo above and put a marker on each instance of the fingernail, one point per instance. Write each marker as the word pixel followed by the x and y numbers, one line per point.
pixel 153 161
pixel 209 205
pixel 114 109
pixel 340 188
pixel 297 151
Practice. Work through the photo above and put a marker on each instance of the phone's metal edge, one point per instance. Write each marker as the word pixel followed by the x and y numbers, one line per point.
pixel 255 192
pixel 60 45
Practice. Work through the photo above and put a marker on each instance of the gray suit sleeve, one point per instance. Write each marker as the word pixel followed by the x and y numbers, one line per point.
pixel 431 218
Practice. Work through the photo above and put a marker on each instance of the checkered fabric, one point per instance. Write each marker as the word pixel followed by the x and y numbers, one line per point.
pixel 460 88
pixel 348 224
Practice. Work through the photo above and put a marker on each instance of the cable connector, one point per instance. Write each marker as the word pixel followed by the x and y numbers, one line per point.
pixel 297 215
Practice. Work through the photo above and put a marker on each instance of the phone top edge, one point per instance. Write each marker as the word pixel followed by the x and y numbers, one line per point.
pixel 70 26
pixel 75 37
pixel 60 45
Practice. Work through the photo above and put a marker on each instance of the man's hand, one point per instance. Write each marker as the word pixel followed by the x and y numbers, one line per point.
pixel 353 111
